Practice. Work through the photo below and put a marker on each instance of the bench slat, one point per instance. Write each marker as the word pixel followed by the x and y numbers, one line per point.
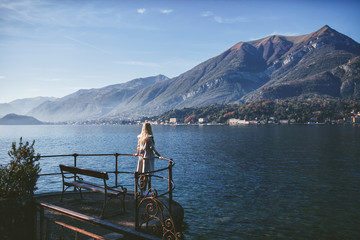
pixel 83 171
pixel 88 187
pixel 96 188
pixel 114 189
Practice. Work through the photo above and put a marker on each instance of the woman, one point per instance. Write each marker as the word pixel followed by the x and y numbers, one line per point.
pixel 146 150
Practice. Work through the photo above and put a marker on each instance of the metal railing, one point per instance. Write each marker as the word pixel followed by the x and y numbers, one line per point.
pixel 140 193
pixel 151 174
pixel 44 222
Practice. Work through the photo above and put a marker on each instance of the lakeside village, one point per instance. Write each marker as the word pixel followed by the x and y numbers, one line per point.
pixel 285 111
pixel 352 118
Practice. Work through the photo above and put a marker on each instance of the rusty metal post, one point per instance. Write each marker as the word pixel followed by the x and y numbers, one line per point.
pixel 116 169
pixel 170 185
pixel 75 156
pixel 136 177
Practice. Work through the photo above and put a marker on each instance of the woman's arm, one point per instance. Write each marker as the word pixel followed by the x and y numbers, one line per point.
pixel 138 150
pixel 156 152
pixel 152 148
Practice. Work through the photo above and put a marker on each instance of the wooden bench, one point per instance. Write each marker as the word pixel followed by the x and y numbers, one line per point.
pixel 70 178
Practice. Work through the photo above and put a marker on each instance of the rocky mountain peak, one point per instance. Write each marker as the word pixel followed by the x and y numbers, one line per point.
pixel 322 63
pixel 326 30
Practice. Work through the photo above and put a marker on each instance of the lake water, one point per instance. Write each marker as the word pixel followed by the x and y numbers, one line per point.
pixel 246 182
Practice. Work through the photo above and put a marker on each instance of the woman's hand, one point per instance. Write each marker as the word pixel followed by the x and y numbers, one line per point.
pixel 135 154
pixel 160 157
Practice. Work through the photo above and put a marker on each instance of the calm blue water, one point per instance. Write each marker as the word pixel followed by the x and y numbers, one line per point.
pixel 251 182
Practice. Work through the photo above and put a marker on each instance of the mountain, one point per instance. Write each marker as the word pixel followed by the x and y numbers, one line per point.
pixel 22 106
pixel 14 119
pixel 323 63
pixel 92 103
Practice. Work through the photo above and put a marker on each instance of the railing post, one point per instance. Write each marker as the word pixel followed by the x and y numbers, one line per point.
pixel 75 156
pixel 116 169
pixel 136 177
pixel 170 185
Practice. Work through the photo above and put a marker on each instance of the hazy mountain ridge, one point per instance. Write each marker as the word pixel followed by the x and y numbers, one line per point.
pixel 92 103
pixel 260 69
pixel 324 63
pixel 22 106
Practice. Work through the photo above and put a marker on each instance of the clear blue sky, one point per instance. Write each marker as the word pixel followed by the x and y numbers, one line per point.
pixel 55 47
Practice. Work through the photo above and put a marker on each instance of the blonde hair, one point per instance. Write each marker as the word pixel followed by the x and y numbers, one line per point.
pixel 146 132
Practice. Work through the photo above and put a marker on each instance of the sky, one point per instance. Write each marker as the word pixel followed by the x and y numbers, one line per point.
pixel 53 48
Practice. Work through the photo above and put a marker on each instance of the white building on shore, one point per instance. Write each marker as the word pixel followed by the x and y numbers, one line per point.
pixel 202 120
pixel 234 121
pixel 173 120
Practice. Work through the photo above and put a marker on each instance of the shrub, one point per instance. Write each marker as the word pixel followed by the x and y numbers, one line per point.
pixel 18 178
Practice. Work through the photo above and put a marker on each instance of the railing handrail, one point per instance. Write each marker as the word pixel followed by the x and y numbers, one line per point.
pixel 75 155
pixel 100 154
pixel 97 222
pixel 170 160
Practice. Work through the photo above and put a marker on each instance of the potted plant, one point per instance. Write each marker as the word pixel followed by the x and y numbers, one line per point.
pixel 17 185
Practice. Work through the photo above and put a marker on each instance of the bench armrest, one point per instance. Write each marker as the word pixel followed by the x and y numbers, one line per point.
pixel 116 188
pixel 66 175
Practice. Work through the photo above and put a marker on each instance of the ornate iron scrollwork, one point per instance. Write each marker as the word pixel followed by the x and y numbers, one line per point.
pixel 155 216
pixel 143 182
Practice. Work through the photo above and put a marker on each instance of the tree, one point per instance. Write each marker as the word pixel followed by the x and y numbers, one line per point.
pixel 17 185
pixel 18 178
